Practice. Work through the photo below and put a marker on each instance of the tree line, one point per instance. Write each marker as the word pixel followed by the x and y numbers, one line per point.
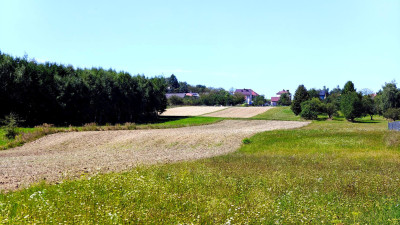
pixel 348 101
pixel 208 95
pixel 62 95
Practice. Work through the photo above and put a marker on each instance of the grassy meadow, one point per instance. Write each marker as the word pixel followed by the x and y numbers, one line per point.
pixel 279 113
pixel 329 172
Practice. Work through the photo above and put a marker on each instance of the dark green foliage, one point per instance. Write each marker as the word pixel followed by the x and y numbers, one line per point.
pixel 62 95
pixel 390 96
pixel 246 141
pixel 238 98
pixel 313 93
pixel 259 100
pixel 11 122
pixel 392 113
pixel 330 109
pixel 175 100
pixel 311 109
pixel 369 106
pixel 285 100
pixel 348 87
pixel 351 105
pixel 300 96
pixel 173 84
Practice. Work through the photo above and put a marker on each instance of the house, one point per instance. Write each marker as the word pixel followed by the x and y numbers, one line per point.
pixel 274 100
pixel 182 95
pixel 322 94
pixel 249 95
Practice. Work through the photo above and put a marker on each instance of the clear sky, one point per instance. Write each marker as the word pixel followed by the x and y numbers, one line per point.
pixel 263 45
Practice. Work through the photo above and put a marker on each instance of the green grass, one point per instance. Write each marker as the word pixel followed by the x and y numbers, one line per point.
pixel 279 113
pixel 332 172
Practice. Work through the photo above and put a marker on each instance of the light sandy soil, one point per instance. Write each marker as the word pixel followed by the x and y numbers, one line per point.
pixel 239 112
pixel 192 110
pixel 69 155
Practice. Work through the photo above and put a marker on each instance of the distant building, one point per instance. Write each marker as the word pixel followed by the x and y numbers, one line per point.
pixel 248 93
pixel 182 95
pixel 322 94
pixel 274 100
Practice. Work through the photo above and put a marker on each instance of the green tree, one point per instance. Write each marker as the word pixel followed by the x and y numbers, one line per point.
pixel 259 100
pixel 330 109
pixel 300 96
pixel 285 100
pixel 348 88
pixel 392 114
pixel 368 106
pixel 390 96
pixel 351 105
pixel 173 84
pixel 313 93
pixel 311 109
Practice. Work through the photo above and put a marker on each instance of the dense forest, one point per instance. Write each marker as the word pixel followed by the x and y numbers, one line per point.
pixel 62 95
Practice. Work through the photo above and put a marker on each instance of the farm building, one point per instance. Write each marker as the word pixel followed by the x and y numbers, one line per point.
pixel 249 94
pixel 182 95
pixel 274 100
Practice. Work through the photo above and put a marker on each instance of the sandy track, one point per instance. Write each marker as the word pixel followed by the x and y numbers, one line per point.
pixel 239 112
pixel 64 155
pixel 192 110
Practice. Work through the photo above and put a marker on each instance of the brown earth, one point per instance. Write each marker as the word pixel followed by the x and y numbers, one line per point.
pixel 239 112
pixel 69 155
pixel 192 110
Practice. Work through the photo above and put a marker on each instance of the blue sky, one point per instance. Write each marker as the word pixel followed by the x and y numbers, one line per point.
pixel 263 45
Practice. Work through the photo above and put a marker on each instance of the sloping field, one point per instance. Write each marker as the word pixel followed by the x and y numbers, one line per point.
pixel 65 155
pixel 192 110
pixel 239 112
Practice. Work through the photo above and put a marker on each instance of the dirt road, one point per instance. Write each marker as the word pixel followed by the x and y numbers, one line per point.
pixel 64 155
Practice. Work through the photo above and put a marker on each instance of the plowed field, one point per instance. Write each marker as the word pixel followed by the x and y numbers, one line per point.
pixel 69 155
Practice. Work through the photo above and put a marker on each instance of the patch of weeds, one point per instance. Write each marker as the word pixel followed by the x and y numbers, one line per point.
pixel 246 141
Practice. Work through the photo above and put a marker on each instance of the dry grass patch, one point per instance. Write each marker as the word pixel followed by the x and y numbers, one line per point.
pixel 239 112
pixel 192 110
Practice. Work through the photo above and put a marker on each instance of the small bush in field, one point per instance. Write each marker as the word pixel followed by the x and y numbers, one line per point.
pixel 246 141
pixel 11 122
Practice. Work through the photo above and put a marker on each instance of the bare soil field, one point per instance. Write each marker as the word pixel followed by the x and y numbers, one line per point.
pixel 70 155
pixel 192 110
pixel 239 112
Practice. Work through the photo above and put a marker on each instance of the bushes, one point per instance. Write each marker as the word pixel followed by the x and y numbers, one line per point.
pixel 10 125
pixel 311 109
pixel 392 114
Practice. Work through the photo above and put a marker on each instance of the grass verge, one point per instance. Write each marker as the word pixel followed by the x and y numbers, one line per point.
pixel 332 172
pixel 279 113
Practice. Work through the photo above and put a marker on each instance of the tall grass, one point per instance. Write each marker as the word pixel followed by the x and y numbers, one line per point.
pixel 330 172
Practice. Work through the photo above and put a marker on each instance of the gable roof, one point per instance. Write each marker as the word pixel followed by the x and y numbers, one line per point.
pixel 246 92
pixel 282 92
pixel 275 99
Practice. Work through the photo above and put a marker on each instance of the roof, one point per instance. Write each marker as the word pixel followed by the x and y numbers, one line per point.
pixel 180 95
pixel 282 92
pixel 192 94
pixel 275 99
pixel 246 92
pixel 322 93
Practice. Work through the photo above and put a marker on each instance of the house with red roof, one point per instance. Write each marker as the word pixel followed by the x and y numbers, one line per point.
pixel 274 100
pixel 249 95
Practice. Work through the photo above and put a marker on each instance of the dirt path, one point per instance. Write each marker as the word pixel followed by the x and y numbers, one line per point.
pixel 62 155
pixel 239 112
